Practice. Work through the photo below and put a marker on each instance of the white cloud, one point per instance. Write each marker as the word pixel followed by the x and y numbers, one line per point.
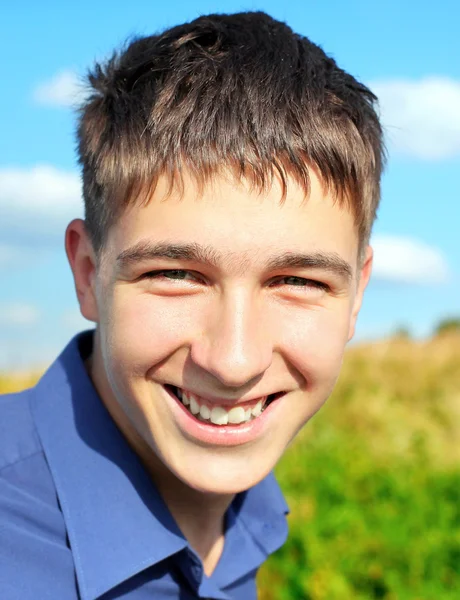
pixel 19 315
pixel 39 200
pixel 407 260
pixel 421 117
pixel 63 90
pixel 42 188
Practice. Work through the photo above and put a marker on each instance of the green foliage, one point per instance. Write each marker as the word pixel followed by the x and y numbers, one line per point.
pixel 403 332
pixel 359 530
pixel 448 325
pixel 373 483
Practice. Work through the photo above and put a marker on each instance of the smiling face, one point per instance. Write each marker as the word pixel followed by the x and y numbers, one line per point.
pixel 233 301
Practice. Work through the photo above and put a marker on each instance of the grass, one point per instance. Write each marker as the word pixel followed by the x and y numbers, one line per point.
pixel 373 481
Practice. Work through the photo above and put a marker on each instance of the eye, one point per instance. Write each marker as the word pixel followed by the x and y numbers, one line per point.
pixel 172 275
pixel 300 282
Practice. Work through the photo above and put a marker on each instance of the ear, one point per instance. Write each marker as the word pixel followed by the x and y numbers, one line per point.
pixel 364 276
pixel 82 259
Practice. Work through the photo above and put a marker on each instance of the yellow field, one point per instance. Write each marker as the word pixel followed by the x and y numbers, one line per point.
pixel 393 390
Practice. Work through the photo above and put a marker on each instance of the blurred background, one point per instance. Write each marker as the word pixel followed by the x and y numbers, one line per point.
pixel 374 480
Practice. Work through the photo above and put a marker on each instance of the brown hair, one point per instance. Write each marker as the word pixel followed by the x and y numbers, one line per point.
pixel 241 91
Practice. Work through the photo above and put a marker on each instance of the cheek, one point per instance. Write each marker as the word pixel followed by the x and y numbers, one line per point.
pixel 314 344
pixel 143 330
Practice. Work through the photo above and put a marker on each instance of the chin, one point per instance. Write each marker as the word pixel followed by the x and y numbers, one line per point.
pixel 224 475
pixel 223 485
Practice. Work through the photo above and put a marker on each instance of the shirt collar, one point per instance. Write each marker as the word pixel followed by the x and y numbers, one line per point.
pixel 256 527
pixel 117 523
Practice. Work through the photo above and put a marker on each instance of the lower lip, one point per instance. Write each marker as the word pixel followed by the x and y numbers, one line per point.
pixel 221 435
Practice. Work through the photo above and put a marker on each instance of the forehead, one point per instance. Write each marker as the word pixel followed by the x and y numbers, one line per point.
pixel 238 223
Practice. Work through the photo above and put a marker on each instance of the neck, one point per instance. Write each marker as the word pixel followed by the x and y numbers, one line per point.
pixel 200 516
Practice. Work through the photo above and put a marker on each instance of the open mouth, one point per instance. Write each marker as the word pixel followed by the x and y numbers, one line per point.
pixel 219 415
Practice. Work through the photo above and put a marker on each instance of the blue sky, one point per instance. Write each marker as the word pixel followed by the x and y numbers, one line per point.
pixel 406 51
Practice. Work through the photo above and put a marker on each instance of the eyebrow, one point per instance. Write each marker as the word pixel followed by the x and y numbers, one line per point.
pixel 317 260
pixel 144 251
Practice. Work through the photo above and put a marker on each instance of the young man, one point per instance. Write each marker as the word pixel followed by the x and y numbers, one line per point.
pixel 231 177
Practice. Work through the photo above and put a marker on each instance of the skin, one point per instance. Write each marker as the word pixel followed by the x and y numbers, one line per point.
pixel 237 329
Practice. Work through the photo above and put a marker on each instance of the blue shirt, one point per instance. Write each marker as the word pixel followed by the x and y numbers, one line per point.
pixel 81 518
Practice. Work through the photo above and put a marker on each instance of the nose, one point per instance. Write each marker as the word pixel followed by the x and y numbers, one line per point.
pixel 235 346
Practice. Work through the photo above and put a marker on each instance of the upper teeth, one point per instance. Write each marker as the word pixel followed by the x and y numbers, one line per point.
pixel 218 415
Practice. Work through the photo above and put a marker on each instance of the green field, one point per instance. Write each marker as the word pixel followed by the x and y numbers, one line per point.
pixel 373 481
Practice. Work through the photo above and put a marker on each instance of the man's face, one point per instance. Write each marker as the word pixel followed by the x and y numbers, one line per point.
pixel 232 301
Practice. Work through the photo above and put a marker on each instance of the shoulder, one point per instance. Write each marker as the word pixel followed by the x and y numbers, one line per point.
pixel 33 536
pixel 18 436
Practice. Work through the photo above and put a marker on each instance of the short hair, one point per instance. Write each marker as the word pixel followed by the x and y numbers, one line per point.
pixel 239 91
